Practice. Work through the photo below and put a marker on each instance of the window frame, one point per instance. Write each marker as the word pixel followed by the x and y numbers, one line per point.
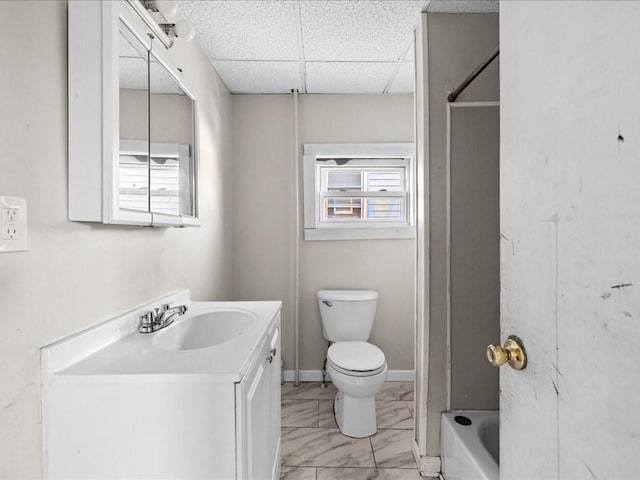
pixel 361 155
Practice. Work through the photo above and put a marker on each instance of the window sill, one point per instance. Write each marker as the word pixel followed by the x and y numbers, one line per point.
pixel 346 233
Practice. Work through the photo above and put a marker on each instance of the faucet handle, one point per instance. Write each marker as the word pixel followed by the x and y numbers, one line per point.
pixel 146 322
pixel 166 306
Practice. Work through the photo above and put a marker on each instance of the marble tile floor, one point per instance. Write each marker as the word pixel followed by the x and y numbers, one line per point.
pixel 314 449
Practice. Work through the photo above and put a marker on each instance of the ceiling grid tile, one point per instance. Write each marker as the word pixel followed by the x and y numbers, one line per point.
pixel 348 77
pixel 358 30
pixel 259 77
pixel 244 29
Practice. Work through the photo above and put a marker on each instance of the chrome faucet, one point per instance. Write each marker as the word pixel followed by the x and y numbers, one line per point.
pixel 158 318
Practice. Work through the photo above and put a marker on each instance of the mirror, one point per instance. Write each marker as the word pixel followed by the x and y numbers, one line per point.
pixel 133 171
pixel 172 133
pixel 188 166
pixel 156 169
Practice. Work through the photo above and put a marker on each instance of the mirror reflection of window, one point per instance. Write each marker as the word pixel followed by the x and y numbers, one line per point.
pixel 133 177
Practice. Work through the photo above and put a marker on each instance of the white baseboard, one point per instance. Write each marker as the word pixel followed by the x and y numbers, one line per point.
pixel 401 376
pixel 305 375
pixel 316 376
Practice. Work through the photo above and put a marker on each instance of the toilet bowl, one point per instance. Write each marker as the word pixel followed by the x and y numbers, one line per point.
pixel 358 370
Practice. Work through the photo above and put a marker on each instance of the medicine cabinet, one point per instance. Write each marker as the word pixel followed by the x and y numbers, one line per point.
pixel 132 123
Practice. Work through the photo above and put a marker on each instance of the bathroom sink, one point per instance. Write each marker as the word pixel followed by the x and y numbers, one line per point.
pixel 205 329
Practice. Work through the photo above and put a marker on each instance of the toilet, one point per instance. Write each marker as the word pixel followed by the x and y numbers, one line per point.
pixel 358 369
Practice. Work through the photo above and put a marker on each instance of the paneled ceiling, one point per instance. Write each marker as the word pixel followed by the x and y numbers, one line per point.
pixel 315 46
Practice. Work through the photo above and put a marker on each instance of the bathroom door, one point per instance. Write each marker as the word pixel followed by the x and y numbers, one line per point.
pixel 570 239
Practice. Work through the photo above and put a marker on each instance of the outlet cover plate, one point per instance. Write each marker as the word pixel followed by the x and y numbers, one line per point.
pixel 13 222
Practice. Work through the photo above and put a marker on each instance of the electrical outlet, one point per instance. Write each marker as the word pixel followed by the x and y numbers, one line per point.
pixel 10 223
pixel 14 224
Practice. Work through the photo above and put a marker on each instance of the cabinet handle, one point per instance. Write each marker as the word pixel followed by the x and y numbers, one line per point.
pixel 273 352
pixel 270 359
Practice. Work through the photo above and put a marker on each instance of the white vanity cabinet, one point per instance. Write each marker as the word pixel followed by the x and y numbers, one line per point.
pixel 133 136
pixel 129 410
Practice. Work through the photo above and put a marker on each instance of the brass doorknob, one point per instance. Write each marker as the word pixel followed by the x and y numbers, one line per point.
pixel 512 352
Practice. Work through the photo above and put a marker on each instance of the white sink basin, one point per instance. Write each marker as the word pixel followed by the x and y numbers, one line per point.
pixel 205 329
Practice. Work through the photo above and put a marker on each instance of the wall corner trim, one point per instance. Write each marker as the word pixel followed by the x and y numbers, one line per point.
pixel 427 466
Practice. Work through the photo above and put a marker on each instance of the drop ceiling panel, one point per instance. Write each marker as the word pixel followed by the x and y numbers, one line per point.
pixel 404 80
pixel 348 77
pixel 259 77
pixel 358 30
pixel 244 30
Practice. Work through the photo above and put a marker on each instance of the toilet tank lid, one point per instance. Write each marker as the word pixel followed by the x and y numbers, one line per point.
pixel 347 295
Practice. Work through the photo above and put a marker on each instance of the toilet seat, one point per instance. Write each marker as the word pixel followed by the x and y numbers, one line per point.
pixel 358 359
pixel 355 373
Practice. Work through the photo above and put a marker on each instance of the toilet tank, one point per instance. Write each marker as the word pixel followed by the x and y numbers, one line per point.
pixel 347 315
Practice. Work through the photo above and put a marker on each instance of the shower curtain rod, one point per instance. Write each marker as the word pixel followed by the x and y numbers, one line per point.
pixel 472 76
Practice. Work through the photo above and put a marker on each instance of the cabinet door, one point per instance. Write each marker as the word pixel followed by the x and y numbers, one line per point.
pixel 131 170
pixel 172 132
pixel 252 418
pixel 258 414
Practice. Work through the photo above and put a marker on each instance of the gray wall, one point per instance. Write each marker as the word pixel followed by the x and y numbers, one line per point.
pixel 452 46
pixel 75 275
pixel 263 228
pixel 475 255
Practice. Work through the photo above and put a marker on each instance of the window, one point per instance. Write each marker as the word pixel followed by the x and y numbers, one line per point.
pixel 362 190
pixel 354 191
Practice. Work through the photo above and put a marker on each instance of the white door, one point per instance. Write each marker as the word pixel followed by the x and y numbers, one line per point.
pixel 570 243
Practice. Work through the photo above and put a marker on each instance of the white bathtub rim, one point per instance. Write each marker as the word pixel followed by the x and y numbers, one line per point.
pixel 471 444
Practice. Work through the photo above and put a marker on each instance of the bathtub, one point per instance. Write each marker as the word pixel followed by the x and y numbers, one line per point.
pixel 470 445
